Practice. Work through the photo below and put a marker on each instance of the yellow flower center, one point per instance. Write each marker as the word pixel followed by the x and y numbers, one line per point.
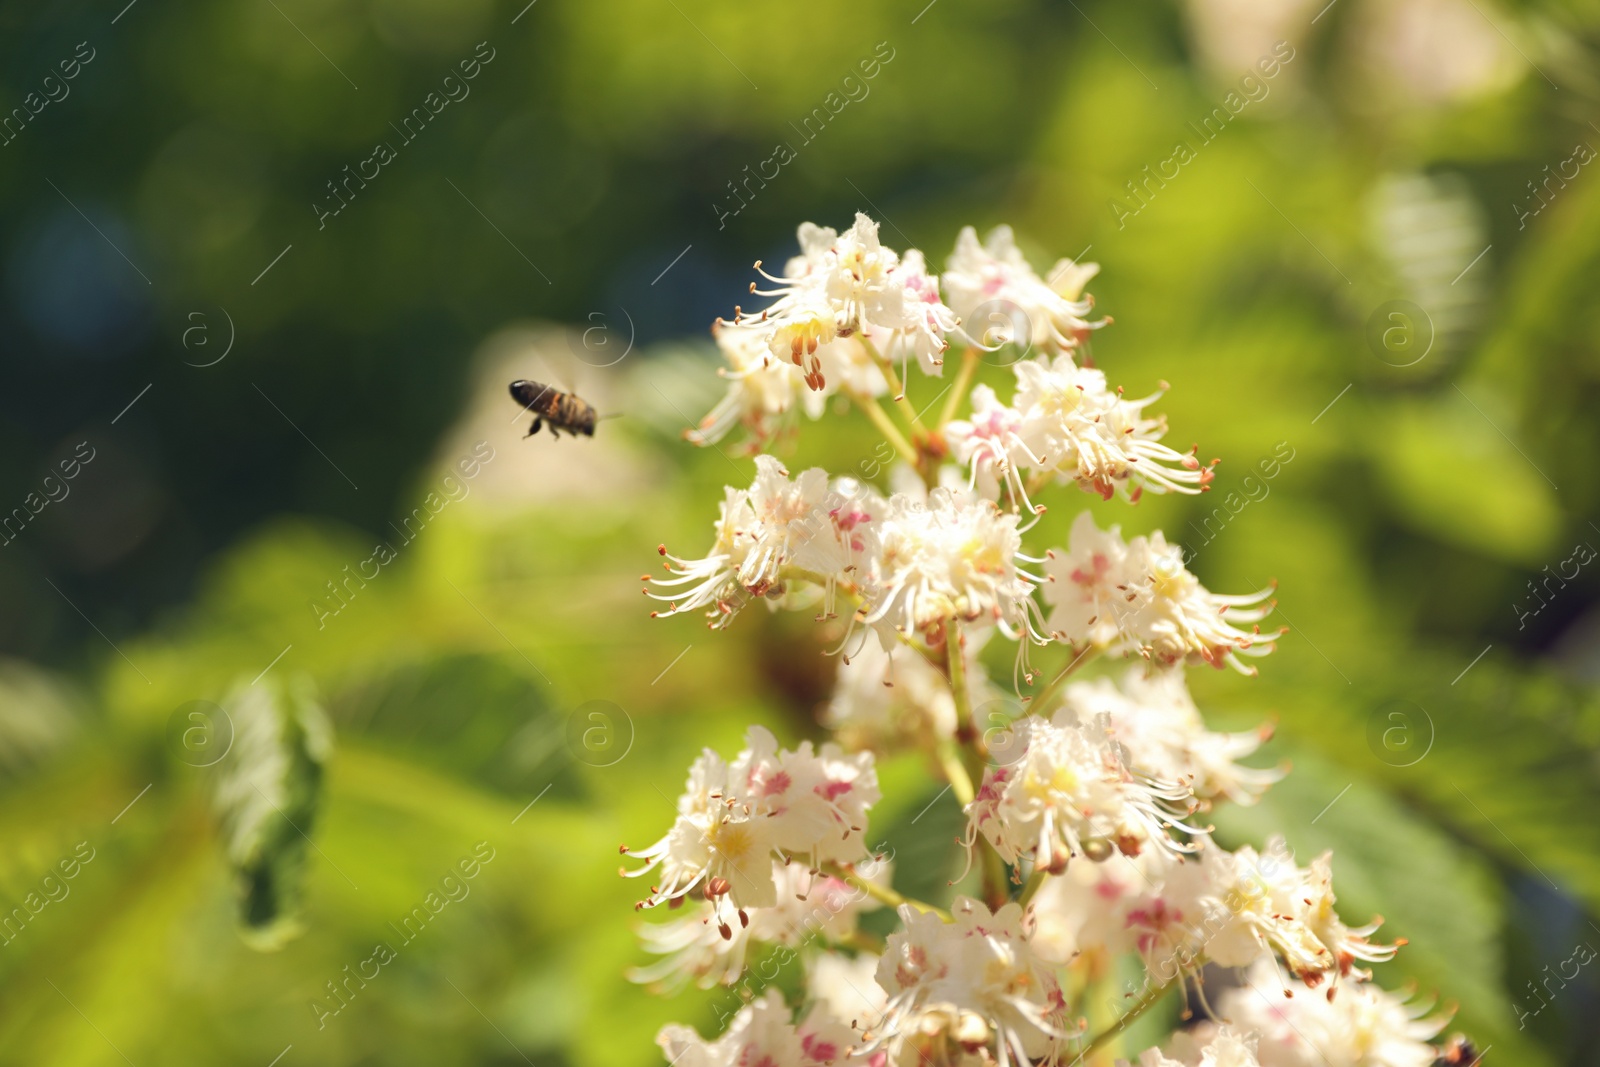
pixel 731 841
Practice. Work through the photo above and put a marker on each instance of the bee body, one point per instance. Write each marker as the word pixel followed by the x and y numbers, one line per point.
pixel 561 411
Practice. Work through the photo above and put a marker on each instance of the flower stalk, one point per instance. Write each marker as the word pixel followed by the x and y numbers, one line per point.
pixel 1111 776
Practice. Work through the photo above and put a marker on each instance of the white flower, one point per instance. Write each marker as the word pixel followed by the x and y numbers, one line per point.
pixel 1162 906
pixel 810 906
pixel 1070 792
pixel 1063 423
pixel 1238 906
pixel 990 445
pixel 1163 736
pixel 981 278
pixel 924 321
pixel 954 557
pixel 1181 912
pixel 1176 619
pixel 762 1035
pixel 841 537
pixel 817 802
pixel 1137 596
pixel 1220 1046
pixel 894 698
pixel 1084 909
pixel 840 286
pixel 774 532
pixel 1085 586
pixel 1079 430
pixel 733 820
pixel 761 390
pixel 847 988
pixel 1361 1025
pixel 967 989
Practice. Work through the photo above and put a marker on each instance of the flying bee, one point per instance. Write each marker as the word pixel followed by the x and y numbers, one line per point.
pixel 1459 1052
pixel 563 411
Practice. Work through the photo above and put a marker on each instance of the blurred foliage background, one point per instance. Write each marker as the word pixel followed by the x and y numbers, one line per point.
pixel 1425 533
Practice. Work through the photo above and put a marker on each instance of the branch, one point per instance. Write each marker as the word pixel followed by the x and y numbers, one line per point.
pixel 1037 702
pixel 975 756
pixel 969 367
pixel 880 893
pixel 880 418
pixel 896 386
pixel 1034 884
pixel 1140 1006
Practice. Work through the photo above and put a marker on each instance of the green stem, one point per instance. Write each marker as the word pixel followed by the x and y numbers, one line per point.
pixel 1140 1006
pixel 883 366
pixel 896 386
pixel 966 722
pixel 886 426
pixel 974 757
pixel 881 893
pixel 955 772
pixel 1037 703
pixel 860 941
pixel 958 392
pixel 1034 883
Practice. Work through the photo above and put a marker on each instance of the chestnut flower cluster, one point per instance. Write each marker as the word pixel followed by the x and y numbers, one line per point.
pixel 1086 838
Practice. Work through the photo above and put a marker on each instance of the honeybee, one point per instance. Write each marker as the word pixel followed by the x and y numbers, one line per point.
pixel 1459 1052
pixel 563 411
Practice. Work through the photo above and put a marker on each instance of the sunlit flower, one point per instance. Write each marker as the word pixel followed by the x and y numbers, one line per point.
pixel 1069 792
pixel 886 698
pixel 1084 909
pixel 990 445
pixel 1238 906
pixel 1094 798
pixel 840 286
pixel 735 819
pixel 970 990
pixel 1077 429
pixel 1137 596
pixel 1086 586
pixel 1176 619
pixel 1362 1025
pixel 810 908
pixel 1219 1046
pixel 762 390
pixel 953 557
pixel 992 282
pixel 847 988
pixel 776 531
pixel 924 322
pixel 1153 717
pixel 762 1035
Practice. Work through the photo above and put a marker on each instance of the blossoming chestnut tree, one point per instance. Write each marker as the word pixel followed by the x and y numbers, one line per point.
pixel 1086 816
